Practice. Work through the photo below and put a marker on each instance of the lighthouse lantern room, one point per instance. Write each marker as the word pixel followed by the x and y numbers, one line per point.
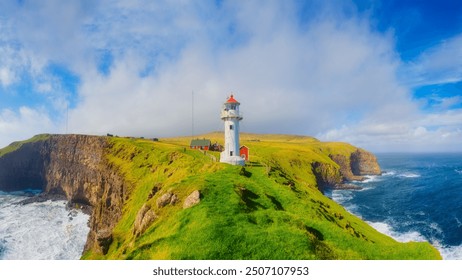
pixel 231 117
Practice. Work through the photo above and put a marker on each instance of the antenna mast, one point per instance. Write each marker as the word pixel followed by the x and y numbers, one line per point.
pixel 67 117
pixel 192 114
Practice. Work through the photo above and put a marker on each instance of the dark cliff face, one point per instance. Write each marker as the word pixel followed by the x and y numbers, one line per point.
pixel 354 167
pixel 364 163
pixel 73 165
pixel 23 169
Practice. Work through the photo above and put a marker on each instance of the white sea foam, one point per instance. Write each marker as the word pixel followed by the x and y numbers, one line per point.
pixel 450 252
pixel 371 178
pixel 398 236
pixel 341 196
pixel 409 175
pixel 45 230
pixel 389 173
pixel 458 171
pixel 447 252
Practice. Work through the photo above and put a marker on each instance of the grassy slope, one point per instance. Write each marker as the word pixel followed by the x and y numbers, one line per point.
pixel 16 145
pixel 273 210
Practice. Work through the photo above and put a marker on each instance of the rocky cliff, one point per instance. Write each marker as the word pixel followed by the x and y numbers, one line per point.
pixel 350 168
pixel 72 165
pixel 76 166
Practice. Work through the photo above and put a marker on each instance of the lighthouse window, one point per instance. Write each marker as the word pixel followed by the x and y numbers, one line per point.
pixel 231 127
pixel 233 107
pixel 231 153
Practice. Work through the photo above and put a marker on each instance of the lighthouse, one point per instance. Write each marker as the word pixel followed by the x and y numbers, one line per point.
pixel 231 117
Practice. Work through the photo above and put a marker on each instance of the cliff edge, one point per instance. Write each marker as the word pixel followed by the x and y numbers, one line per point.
pixel 70 165
pixel 161 200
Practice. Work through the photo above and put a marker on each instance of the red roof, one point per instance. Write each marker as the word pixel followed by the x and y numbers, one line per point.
pixel 231 99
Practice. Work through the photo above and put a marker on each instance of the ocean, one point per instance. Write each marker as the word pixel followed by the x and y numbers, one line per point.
pixel 40 230
pixel 417 198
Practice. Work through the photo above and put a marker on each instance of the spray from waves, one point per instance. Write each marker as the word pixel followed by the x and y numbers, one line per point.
pixel 370 178
pixel 409 175
pixel 401 237
pixel 389 173
pixel 39 231
pixel 393 173
pixel 450 252
pixel 447 252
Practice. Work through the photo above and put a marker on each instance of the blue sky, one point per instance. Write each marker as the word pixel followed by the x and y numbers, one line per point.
pixel 383 75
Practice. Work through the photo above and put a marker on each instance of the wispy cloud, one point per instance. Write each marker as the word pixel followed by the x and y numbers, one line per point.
pixel 330 75
pixel 439 64
pixel 25 122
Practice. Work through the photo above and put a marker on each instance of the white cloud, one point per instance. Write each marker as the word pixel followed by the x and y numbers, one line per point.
pixel 435 132
pixel 12 61
pixel 6 77
pixel 332 76
pixel 23 124
pixel 289 79
pixel 438 65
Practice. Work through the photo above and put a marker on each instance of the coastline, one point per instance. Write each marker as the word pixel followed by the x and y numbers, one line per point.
pixel 405 202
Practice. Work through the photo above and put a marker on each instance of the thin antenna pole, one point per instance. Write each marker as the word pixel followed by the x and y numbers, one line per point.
pixel 192 115
pixel 67 117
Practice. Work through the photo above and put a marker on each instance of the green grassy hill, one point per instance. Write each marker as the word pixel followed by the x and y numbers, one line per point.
pixel 18 144
pixel 271 209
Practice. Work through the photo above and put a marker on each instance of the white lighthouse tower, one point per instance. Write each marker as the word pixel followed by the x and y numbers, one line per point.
pixel 231 116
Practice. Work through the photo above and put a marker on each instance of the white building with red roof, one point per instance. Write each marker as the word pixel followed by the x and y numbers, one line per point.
pixel 231 116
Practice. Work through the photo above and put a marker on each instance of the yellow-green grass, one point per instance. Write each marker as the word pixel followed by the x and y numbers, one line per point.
pixel 271 209
pixel 16 145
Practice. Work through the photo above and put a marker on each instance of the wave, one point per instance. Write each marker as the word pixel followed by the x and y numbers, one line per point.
pixel 409 175
pixel 398 236
pixel 388 173
pixel 39 231
pixel 368 179
pixel 447 252
pixel 458 171
pixel 341 196
pixel 371 178
pixel 393 173
pixel 450 252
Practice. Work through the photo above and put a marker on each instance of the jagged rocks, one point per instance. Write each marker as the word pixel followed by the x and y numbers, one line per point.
pixel 326 174
pixel 351 168
pixel 104 239
pixel 364 163
pixel 145 217
pixel 345 168
pixel 192 199
pixel 167 198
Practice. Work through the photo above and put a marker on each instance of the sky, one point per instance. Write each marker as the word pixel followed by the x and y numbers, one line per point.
pixel 382 75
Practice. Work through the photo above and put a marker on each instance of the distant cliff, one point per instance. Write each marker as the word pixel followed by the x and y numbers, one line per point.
pixel 350 168
pixel 141 191
pixel 72 165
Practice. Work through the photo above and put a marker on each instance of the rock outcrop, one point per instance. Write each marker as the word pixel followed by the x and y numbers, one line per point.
pixel 167 198
pixel 364 163
pixel 192 199
pixel 351 168
pixel 74 166
pixel 145 217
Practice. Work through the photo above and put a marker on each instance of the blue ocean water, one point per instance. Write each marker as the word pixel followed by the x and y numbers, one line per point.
pixel 40 230
pixel 417 198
